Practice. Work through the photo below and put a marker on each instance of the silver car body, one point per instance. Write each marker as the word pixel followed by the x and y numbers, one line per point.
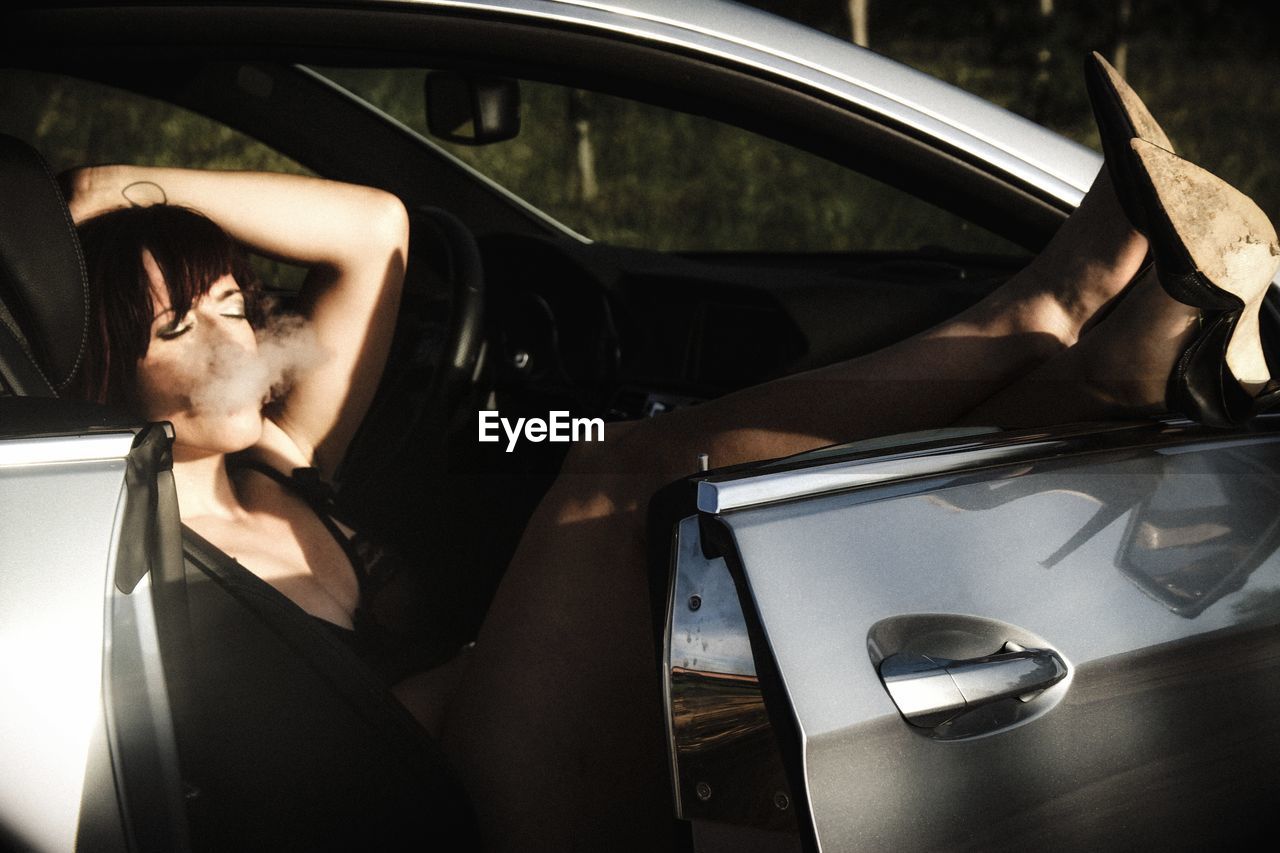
pixel 1144 556
pixel 84 691
pixel 53 606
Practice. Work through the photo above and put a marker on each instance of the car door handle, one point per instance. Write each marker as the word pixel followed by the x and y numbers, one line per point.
pixel 931 690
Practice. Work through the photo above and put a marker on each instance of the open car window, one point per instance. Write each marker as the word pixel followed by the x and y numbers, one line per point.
pixel 633 174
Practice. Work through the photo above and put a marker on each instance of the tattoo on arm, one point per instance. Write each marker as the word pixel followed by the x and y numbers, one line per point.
pixel 144 194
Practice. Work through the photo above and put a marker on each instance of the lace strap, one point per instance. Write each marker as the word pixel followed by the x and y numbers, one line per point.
pixel 307 483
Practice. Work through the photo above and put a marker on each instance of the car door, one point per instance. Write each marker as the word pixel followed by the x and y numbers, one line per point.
pixel 89 526
pixel 982 640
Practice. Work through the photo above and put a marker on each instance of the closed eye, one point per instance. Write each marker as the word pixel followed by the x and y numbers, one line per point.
pixel 234 307
pixel 175 329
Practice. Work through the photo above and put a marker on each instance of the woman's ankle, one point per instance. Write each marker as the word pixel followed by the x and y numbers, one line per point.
pixel 1128 362
pixel 1089 262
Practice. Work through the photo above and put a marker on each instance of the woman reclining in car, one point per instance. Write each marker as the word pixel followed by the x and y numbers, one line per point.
pixel 554 718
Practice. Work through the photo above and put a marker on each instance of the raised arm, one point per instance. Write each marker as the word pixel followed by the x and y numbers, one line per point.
pixel 353 239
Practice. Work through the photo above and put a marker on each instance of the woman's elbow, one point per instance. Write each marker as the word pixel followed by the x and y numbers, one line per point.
pixel 389 223
pixel 381 240
pixel 374 219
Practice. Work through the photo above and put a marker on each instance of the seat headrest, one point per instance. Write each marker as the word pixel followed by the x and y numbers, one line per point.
pixel 43 284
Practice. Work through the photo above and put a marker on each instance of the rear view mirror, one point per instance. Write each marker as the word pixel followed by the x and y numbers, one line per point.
pixel 470 109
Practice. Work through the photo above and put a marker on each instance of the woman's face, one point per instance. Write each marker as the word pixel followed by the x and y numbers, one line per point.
pixel 190 363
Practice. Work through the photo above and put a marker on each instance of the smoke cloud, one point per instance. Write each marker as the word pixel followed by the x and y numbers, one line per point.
pixel 232 378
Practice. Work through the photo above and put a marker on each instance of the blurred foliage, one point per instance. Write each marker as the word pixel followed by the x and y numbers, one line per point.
pixel 77 123
pixel 1208 69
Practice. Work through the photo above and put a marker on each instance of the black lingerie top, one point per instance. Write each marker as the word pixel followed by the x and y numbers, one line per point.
pixel 393 630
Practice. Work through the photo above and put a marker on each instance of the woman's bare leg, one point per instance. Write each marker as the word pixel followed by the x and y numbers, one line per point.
pixel 931 379
pixel 557 728
pixel 1121 369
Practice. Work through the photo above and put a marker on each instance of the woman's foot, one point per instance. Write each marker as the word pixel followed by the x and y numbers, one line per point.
pixel 1120 370
pixel 1098 251
pixel 1185 336
pixel 1217 251
pixel 1089 262
pixel 1213 249
pixel 1126 365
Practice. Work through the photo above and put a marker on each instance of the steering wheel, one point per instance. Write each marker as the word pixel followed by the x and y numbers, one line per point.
pixel 447 251
pixel 455 255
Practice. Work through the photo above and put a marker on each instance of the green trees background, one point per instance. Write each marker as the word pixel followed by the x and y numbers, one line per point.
pixel 1208 69
pixel 633 174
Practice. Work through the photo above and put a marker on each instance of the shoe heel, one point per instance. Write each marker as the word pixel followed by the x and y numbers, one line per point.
pixel 1202 387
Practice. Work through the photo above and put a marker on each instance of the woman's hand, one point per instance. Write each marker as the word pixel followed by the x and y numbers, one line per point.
pixel 91 190
pixel 83 188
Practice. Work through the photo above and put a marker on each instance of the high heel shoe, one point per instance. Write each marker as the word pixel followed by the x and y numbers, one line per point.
pixel 1216 250
pixel 1121 116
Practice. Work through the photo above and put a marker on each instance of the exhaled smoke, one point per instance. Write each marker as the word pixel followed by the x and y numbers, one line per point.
pixel 233 379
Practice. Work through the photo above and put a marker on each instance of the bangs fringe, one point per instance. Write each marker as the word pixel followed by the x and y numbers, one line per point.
pixel 192 253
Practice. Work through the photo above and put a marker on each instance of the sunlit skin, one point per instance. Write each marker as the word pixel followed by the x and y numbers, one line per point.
pixel 179 346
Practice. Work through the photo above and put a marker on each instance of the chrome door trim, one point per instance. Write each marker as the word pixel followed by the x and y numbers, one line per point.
pixel 718 497
pixel 761 486
pixel 69 448
pixel 725 763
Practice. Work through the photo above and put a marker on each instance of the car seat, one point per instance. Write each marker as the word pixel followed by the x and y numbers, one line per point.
pixel 44 310
pixel 285 740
